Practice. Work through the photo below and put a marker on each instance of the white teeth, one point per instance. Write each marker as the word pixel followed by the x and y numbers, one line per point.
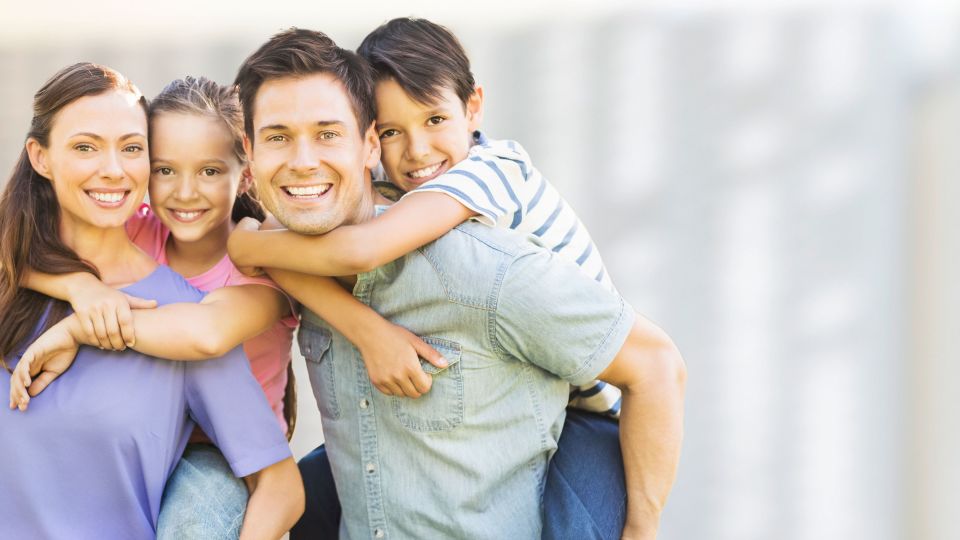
pixel 187 216
pixel 307 191
pixel 112 197
pixel 425 172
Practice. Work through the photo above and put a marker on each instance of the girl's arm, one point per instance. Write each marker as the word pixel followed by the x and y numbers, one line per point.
pixel 391 353
pixel 104 313
pixel 276 501
pixel 414 221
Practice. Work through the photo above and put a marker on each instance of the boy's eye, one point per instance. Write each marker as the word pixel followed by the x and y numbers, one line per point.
pixel 388 133
pixel 434 120
pixel 163 171
pixel 209 171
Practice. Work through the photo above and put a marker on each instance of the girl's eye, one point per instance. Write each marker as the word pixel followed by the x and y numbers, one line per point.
pixel 83 147
pixel 388 133
pixel 209 171
pixel 435 120
pixel 163 171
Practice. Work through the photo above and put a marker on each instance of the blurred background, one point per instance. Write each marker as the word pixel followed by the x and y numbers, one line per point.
pixel 779 188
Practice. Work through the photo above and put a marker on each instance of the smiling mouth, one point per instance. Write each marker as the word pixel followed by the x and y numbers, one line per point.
pixel 108 199
pixel 186 216
pixel 426 173
pixel 307 192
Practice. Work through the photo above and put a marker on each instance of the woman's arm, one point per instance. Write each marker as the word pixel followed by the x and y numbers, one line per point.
pixel 276 501
pixel 417 220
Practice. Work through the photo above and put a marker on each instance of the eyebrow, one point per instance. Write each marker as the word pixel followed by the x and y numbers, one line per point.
pixel 99 138
pixel 319 123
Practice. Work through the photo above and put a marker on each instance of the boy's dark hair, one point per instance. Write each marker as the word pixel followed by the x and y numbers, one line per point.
pixel 298 52
pixel 422 56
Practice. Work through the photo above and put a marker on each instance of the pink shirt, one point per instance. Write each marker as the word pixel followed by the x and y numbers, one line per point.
pixel 269 353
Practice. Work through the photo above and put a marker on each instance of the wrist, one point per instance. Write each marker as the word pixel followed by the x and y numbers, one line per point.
pixel 71 324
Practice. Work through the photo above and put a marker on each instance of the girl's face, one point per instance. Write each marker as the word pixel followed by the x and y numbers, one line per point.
pixel 96 160
pixel 195 175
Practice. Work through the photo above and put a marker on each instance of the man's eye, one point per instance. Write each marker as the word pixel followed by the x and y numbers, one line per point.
pixel 209 171
pixel 83 147
pixel 388 133
pixel 327 135
pixel 276 138
pixel 434 120
pixel 163 171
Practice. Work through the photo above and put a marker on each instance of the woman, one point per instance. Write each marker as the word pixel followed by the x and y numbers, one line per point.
pixel 91 458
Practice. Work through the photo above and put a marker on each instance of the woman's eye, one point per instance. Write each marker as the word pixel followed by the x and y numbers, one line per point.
pixel 388 133
pixel 434 120
pixel 209 171
pixel 133 148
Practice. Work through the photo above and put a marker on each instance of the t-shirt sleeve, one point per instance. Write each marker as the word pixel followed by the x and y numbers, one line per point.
pixel 228 404
pixel 239 278
pixel 490 181
pixel 552 315
pixel 146 231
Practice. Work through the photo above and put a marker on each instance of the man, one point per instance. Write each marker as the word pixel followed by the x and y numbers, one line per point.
pixel 469 459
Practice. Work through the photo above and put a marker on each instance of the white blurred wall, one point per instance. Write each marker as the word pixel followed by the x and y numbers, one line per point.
pixel 777 188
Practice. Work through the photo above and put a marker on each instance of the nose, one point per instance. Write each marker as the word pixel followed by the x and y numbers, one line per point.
pixel 417 147
pixel 303 161
pixel 186 187
pixel 110 168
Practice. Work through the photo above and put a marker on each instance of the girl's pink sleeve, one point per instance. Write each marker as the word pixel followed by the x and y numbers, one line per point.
pixel 238 278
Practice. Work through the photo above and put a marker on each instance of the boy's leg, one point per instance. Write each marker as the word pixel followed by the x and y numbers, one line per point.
pixel 585 495
pixel 202 498
pixel 321 519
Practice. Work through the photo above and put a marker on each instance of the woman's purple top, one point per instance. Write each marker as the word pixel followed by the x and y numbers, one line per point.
pixel 89 457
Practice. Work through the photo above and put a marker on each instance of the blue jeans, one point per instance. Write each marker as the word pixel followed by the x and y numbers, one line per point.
pixel 202 500
pixel 584 498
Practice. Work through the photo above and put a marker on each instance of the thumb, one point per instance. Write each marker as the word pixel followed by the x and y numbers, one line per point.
pixel 41 382
pixel 428 353
pixel 140 303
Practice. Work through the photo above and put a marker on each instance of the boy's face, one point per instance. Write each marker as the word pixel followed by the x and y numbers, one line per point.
pixel 419 141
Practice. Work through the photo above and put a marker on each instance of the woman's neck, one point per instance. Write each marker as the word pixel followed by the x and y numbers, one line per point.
pixel 119 261
pixel 191 259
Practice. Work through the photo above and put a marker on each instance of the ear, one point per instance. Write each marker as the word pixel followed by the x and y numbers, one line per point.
pixel 474 109
pixel 38 157
pixel 248 149
pixel 246 180
pixel 371 144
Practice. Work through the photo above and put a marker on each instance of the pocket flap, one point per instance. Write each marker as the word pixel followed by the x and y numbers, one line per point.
pixel 449 349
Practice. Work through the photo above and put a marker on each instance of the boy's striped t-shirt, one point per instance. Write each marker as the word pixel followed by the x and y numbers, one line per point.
pixel 499 182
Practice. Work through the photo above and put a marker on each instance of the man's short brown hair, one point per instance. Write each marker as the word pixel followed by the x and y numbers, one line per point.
pixel 422 56
pixel 299 52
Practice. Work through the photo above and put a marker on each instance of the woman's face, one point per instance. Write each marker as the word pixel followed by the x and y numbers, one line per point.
pixel 97 160
pixel 195 174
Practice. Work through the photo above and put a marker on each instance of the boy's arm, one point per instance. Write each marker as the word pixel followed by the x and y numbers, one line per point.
pixel 276 501
pixel 104 313
pixel 651 373
pixel 417 220
pixel 390 352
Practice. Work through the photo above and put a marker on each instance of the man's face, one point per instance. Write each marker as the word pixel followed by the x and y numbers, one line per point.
pixel 309 157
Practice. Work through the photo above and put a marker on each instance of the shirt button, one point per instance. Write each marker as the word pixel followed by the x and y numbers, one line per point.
pixel 364 403
pixel 370 467
pixel 378 533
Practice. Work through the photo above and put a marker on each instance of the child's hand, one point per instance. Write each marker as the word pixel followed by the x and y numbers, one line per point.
pixel 105 314
pixel 392 357
pixel 43 361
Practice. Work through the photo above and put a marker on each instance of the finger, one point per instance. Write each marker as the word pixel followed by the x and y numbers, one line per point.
pixel 392 389
pixel 422 382
pixel 87 324
pixel 100 328
pixel 125 320
pixel 408 388
pixel 428 353
pixel 135 302
pixel 41 382
pixel 18 388
pixel 114 336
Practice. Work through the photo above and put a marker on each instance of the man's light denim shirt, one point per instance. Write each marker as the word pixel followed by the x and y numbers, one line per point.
pixel 467 459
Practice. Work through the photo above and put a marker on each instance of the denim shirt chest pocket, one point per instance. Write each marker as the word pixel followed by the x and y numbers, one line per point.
pixel 440 409
pixel 314 345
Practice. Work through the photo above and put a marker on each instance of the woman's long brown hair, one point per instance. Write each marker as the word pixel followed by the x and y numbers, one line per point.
pixel 30 213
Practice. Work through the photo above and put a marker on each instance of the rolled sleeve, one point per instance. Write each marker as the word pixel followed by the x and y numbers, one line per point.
pixel 550 314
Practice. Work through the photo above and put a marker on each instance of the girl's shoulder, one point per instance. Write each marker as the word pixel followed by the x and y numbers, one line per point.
pixel 146 230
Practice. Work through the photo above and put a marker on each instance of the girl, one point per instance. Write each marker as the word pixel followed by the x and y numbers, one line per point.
pixel 90 460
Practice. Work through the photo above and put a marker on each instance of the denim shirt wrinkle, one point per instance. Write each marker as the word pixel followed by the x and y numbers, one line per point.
pixel 467 459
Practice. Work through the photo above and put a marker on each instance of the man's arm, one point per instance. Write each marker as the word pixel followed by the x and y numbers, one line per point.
pixel 651 373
